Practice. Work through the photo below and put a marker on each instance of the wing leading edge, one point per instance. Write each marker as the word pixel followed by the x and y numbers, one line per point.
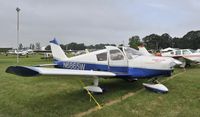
pixel 35 71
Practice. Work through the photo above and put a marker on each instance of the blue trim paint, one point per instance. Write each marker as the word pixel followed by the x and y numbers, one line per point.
pixel 143 72
pixel 125 72
pixel 96 67
pixel 118 69
pixel 21 71
pixel 54 41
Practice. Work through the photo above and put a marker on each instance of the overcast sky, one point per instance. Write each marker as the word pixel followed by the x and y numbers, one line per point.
pixel 95 21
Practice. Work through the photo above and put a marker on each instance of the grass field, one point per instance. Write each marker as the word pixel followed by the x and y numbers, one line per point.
pixel 64 96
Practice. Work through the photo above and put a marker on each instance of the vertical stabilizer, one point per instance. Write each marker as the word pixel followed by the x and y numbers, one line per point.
pixel 57 52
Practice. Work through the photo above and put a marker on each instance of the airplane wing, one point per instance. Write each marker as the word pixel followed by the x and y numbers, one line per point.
pixel 184 58
pixel 34 71
pixel 192 59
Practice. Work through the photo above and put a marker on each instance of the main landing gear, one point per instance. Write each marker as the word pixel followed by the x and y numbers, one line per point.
pixel 95 88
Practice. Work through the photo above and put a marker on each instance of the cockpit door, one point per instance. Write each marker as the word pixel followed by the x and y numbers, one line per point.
pixel 117 62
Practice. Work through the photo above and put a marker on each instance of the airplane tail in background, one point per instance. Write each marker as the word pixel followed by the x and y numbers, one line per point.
pixel 57 52
pixel 144 51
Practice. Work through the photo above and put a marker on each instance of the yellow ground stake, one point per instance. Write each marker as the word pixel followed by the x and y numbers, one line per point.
pixel 91 96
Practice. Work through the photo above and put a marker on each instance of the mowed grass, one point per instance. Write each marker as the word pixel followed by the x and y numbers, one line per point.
pixel 183 100
pixel 64 96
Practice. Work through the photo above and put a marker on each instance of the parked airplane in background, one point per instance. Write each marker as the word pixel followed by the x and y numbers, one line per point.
pixel 123 62
pixel 20 52
pixel 186 56
pixel 47 56
pixel 143 50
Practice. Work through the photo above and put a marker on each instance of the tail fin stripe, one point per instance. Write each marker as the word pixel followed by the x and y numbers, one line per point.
pixel 54 41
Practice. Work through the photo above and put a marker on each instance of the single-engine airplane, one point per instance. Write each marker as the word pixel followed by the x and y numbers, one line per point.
pixel 123 62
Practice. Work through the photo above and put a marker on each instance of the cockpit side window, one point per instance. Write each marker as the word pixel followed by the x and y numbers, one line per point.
pixel 178 52
pixel 116 55
pixel 172 52
pixel 102 56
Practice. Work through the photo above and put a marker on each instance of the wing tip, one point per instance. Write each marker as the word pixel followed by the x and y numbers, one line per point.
pixel 21 71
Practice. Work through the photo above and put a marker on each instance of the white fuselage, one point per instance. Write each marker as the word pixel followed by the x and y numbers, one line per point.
pixel 122 61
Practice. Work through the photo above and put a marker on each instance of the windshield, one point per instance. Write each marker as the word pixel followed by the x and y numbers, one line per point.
pixel 130 52
pixel 191 50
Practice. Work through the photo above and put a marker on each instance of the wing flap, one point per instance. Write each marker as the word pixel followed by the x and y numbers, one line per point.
pixel 34 71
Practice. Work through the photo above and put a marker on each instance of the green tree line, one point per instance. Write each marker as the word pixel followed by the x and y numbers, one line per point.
pixel 156 42
pixel 152 42
pixel 80 46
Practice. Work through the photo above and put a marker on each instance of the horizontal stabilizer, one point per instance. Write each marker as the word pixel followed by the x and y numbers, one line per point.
pixel 34 71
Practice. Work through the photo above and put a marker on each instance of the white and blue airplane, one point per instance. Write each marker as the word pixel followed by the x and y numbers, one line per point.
pixel 124 62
